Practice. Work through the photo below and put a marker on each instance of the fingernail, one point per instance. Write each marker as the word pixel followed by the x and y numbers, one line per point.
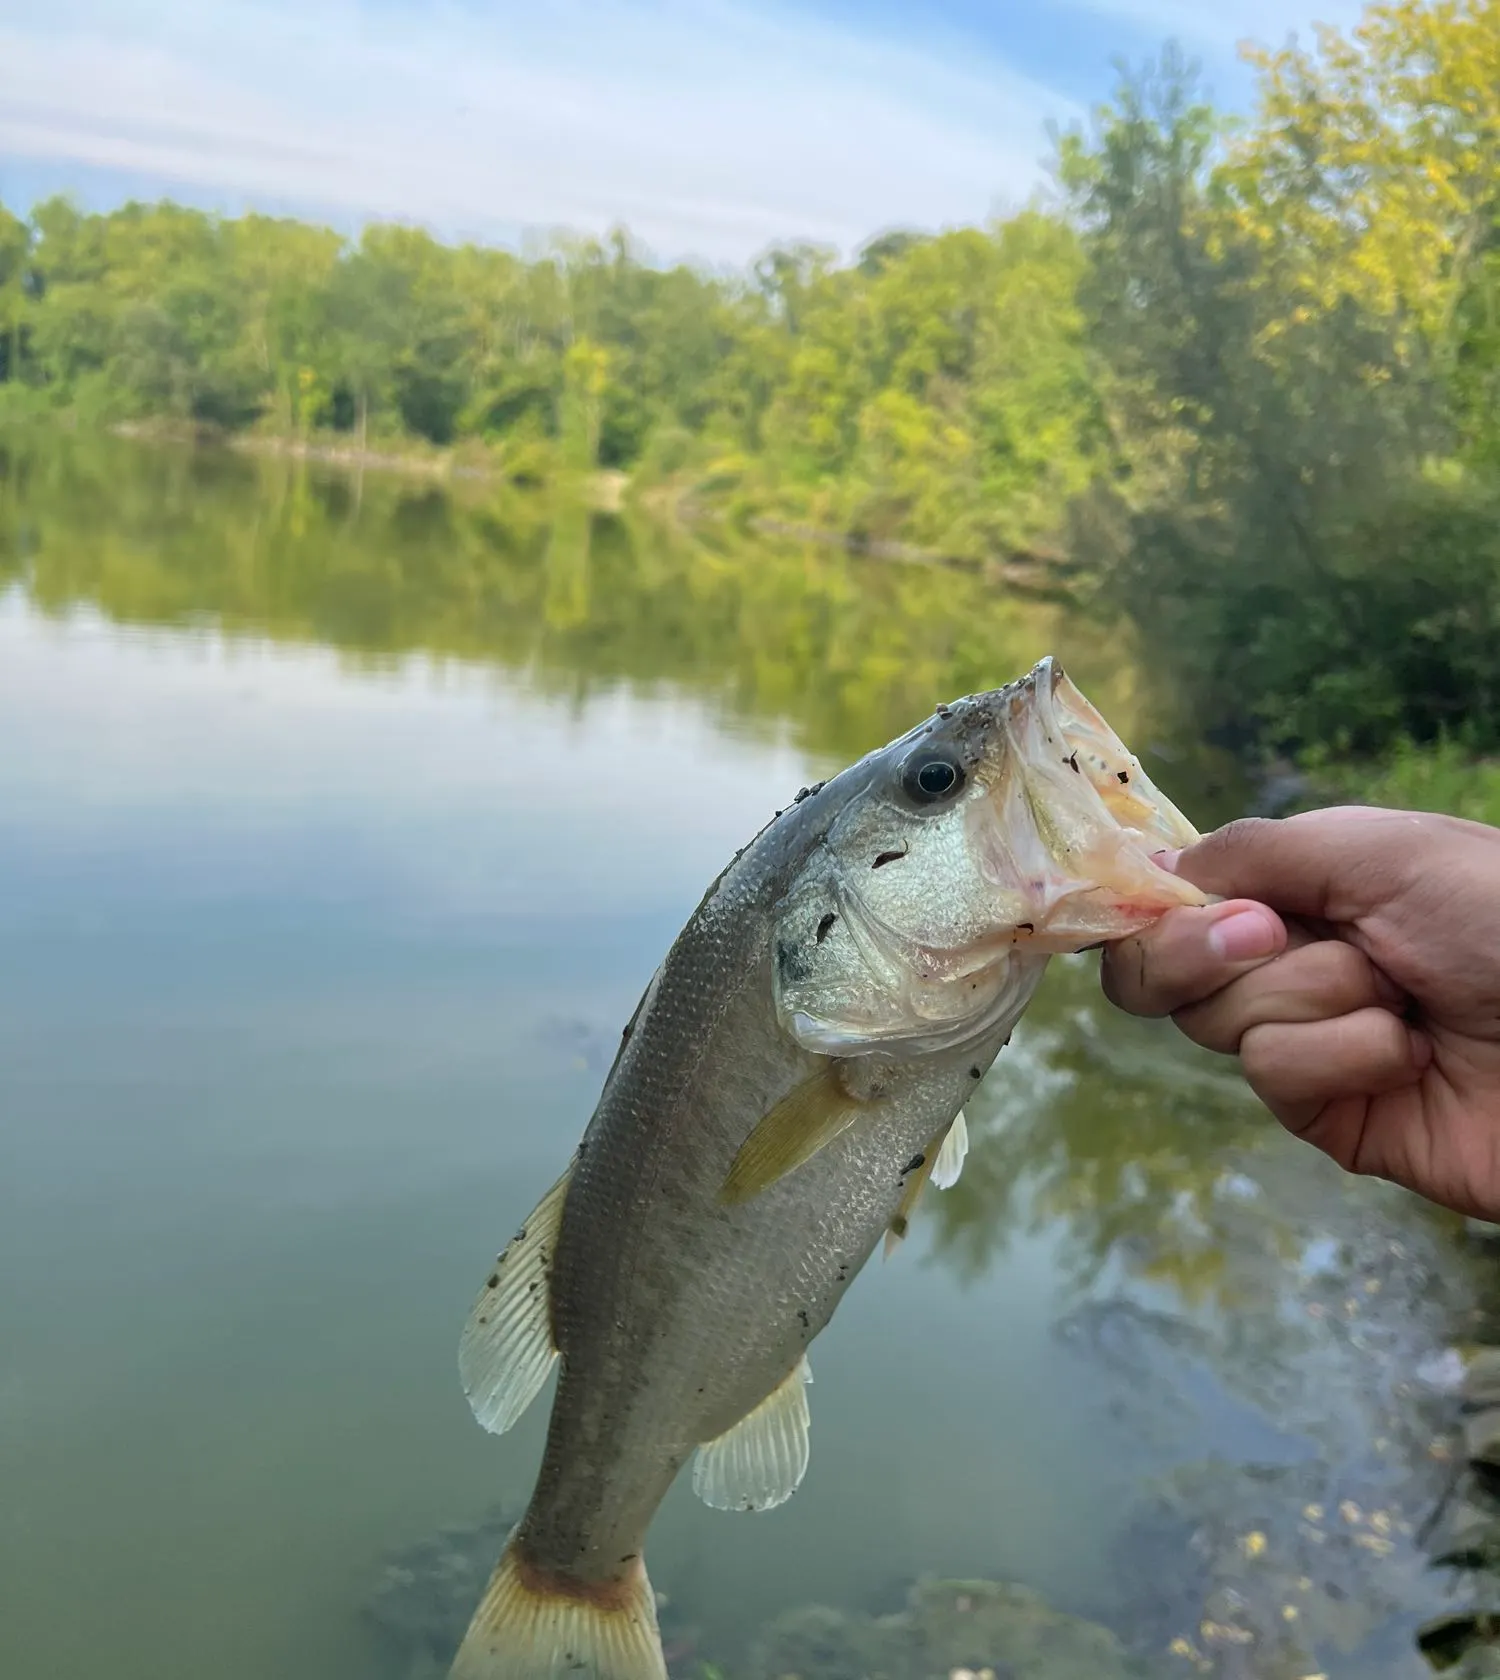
pixel 1167 860
pixel 1242 937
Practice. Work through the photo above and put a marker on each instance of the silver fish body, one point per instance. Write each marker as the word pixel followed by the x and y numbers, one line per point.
pixel 794 1070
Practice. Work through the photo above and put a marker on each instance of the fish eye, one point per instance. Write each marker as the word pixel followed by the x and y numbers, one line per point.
pixel 931 776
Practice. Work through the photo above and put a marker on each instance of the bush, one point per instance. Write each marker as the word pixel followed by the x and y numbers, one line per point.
pixel 1441 777
pixel 1385 627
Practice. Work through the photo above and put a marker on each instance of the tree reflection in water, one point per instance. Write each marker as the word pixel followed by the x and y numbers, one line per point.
pixel 1209 1253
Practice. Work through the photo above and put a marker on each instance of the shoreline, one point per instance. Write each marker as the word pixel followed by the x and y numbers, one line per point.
pixel 606 489
pixel 604 486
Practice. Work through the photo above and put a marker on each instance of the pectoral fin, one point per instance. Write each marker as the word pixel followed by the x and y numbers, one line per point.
pixel 806 1120
pixel 506 1350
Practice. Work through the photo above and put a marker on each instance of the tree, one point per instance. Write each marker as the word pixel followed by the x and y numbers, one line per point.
pixel 15 278
pixel 1258 441
pixel 1373 170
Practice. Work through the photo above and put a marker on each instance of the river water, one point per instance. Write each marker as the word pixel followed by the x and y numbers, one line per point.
pixel 341 823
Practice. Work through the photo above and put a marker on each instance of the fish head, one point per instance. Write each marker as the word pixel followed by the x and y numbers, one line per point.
pixel 1009 827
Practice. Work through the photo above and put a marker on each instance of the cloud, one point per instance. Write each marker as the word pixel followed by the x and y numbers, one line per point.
pixel 709 128
pixel 1218 27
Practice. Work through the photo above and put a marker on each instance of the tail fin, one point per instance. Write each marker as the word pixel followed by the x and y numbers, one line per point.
pixel 533 1625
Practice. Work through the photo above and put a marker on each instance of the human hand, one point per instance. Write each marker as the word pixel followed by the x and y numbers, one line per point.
pixel 1355 971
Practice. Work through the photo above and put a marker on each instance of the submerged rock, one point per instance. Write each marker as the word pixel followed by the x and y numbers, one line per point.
pixel 1010 1630
pixel 818 1642
pixel 426 1593
pixel 1273 1572
pixel 949 1630
pixel 1463 1645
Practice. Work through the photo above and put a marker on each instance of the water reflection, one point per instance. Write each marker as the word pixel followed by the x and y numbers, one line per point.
pixel 842 653
pixel 340 824
pixel 1215 1264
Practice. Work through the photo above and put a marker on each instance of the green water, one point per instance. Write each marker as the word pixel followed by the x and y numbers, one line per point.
pixel 341 823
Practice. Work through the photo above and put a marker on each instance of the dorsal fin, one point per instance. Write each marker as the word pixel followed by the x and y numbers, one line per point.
pixel 506 1350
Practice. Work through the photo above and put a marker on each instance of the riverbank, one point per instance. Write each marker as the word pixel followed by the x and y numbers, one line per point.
pixel 687 500
pixel 602 488
pixel 706 498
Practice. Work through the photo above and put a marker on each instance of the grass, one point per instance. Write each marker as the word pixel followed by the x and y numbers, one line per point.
pixel 1442 777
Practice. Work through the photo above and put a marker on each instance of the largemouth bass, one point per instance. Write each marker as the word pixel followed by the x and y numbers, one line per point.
pixel 794 1074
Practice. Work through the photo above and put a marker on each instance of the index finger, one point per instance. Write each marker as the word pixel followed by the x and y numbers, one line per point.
pixel 1330 865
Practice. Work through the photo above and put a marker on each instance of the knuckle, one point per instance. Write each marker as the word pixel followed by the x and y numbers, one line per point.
pixel 1387 1043
pixel 1221 1019
pixel 1210 1025
pixel 1267 1062
pixel 1334 968
pixel 1235 838
pixel 1319 982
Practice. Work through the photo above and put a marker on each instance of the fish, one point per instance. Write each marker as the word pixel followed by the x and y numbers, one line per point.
pixel 793 1077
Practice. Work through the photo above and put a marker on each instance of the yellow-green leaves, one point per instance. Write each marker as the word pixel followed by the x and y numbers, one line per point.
pixel 1370 172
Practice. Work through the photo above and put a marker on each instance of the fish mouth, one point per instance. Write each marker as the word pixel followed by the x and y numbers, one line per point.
pixel 1073 824
pixel 1128 794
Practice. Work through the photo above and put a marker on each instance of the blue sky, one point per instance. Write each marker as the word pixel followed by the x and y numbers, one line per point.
pixel 710 127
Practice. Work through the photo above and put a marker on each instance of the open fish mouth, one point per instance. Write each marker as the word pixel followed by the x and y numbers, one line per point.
pixel 1063 831
pixel 1073 823
pixel 1052 705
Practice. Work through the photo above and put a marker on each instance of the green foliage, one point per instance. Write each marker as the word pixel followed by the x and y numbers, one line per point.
pixel 1300 521
pixel 1444 776
pixel 936 391
pixel 155 311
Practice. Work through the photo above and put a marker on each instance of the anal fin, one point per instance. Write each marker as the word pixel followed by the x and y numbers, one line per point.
pixel 506 1350
pixel 760 1462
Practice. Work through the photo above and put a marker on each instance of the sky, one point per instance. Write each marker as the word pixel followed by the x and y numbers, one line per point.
pixel 711 128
